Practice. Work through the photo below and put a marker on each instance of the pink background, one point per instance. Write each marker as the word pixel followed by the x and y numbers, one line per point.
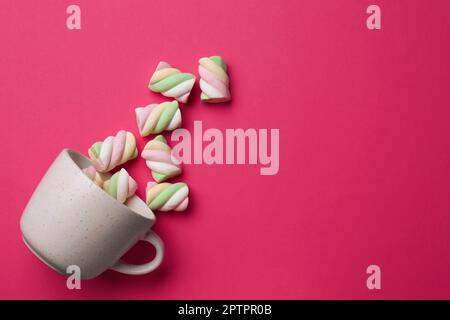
pixel 364 142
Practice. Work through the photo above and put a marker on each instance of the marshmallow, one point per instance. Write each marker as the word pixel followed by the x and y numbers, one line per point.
pixel 97 177
pixel 121 186
pixel 155 118
pixel 113 151
pixel 167 196
pixel 160 160
pixel 214 80
pixel 171 82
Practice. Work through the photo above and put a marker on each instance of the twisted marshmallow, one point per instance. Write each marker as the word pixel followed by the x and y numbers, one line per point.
pixel 113 151
pixel 155 118
pixel 98 177
pixel 167 196
pixel 159 159
pixel 214 80
pixel 121 186
pixel 171 82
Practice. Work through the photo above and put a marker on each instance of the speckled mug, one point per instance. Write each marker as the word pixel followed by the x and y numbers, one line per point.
pixel 69 220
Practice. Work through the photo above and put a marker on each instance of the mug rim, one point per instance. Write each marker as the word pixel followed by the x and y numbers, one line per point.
pixel 149 216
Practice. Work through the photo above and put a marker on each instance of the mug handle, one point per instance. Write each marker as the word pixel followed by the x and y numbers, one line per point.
pixel 139 269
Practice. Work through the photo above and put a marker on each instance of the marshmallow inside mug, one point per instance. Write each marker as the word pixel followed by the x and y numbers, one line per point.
pixel 134 203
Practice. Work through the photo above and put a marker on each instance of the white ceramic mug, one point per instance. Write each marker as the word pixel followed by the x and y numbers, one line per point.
pixel 69 220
